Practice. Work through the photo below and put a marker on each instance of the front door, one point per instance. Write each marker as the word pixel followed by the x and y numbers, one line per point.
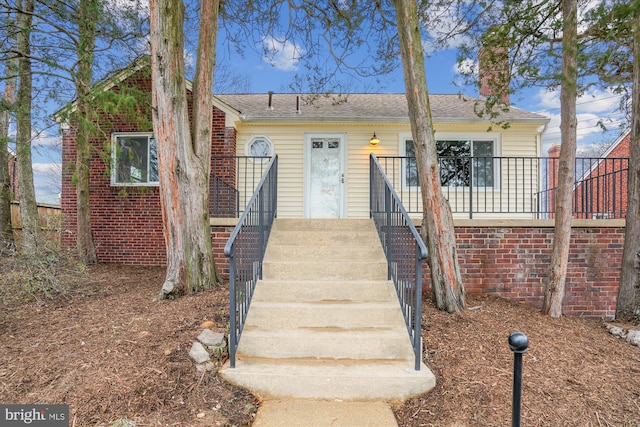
pixel 325 176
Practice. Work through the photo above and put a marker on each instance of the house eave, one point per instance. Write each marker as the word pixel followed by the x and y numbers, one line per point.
pixel 343 119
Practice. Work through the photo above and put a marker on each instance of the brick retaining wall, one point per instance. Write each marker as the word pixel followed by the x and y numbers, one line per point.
pixel 512 260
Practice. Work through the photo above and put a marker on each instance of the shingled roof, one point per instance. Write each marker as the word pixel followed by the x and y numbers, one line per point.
pixel 361 107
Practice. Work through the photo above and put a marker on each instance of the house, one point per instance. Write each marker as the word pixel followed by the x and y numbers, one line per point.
pixel 323 144
pixel 493 178
pixel 600 191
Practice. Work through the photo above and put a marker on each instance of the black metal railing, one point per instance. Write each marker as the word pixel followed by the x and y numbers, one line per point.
pixel 233 182
pixel 515 185
pixel 599 192
pixel 245 249
pixel 404 249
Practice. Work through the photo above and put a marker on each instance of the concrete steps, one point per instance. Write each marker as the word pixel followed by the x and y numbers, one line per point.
pixel 325 322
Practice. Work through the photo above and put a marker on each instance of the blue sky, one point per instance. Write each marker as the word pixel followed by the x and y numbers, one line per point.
pixel 277 71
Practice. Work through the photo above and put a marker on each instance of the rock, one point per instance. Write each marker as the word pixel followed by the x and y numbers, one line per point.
pixel 211 339
pixel 198 353
pixel 615 330
pixel 633 337
pixel 206 366
pixel 207 324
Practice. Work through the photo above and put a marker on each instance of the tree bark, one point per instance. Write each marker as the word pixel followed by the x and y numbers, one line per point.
pixel 28 206
pixel 87 18
pixel 554 289
pixel 6 106
pixel 437 225
pixel 629 290
pixel 184 148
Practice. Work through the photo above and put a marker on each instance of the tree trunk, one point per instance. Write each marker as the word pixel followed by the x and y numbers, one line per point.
pixel 629 290
pixel 87 18
pixel 184 149
pixel 6 106
pixel 554 289
pixel 28 206
pixel 437 224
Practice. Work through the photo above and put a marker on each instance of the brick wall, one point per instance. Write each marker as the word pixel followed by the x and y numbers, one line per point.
pixel 602 193
pixel 512 262
pixel 126 221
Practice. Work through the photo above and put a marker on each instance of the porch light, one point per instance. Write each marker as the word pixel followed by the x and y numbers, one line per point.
pixel 374 140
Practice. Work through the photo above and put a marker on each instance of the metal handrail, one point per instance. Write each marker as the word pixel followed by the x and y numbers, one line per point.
pixel 233 182
pixel 519 186
pixel 245 249
pixel 404 249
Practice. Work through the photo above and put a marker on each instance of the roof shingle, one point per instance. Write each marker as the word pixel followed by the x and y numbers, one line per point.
pixel 362 106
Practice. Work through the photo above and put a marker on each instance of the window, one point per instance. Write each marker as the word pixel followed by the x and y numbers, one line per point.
pixel 462 162
pixel 465 162
pixel 259 146
pixel 135 159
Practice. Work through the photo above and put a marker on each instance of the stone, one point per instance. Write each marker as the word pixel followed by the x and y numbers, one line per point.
pixel 206 366
pixel 633 337
pixel 198 353
pixel 211 339
pixel 615 330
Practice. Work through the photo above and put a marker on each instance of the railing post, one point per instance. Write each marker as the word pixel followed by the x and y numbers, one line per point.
pixel 518 343
pixel 387 209
pixel 471 170
pixel 233 338
pixel 261 236
pixel 417 323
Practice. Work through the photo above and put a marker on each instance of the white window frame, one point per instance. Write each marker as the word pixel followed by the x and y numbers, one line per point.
pixel 249 143
pixel 404 137
pixel 114 141
pixel 458 136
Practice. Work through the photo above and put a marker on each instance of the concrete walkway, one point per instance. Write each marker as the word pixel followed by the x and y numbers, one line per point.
pixel 321 413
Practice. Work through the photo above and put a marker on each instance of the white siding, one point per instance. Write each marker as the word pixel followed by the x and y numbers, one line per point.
pixel 289 140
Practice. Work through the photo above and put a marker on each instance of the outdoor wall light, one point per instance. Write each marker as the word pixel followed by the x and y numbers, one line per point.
pixel 374 140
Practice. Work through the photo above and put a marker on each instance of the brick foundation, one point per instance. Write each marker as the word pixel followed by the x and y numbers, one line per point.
pixel 512 262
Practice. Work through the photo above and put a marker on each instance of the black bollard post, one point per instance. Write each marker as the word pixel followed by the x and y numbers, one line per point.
pixel 518 342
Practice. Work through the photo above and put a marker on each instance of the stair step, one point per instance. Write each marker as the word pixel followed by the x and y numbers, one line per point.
pixel 353 238
pixel 330 343
pixel 345 270
pixel 317 290
pixel 289 224
pixel 325 322
pixel 297 252
pixel 330 379
pixel 338 314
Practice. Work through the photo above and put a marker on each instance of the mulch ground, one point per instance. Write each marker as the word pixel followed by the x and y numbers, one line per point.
pixel 119 357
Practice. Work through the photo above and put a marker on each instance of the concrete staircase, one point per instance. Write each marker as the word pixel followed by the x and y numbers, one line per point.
pixel 325 323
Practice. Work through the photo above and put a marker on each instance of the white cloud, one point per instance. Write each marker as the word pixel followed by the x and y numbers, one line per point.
pixel 594 107
pixel 189 60
pixel 50 169
pixel 466 67
pixel 43 140
pixel 441 20
pixel 47 182
pixel 126 6
pixel 281 55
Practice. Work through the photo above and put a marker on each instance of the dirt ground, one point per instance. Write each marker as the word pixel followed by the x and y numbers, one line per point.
pixel 119 357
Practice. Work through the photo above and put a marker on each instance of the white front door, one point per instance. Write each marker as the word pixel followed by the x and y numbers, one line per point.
pixel 325 176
